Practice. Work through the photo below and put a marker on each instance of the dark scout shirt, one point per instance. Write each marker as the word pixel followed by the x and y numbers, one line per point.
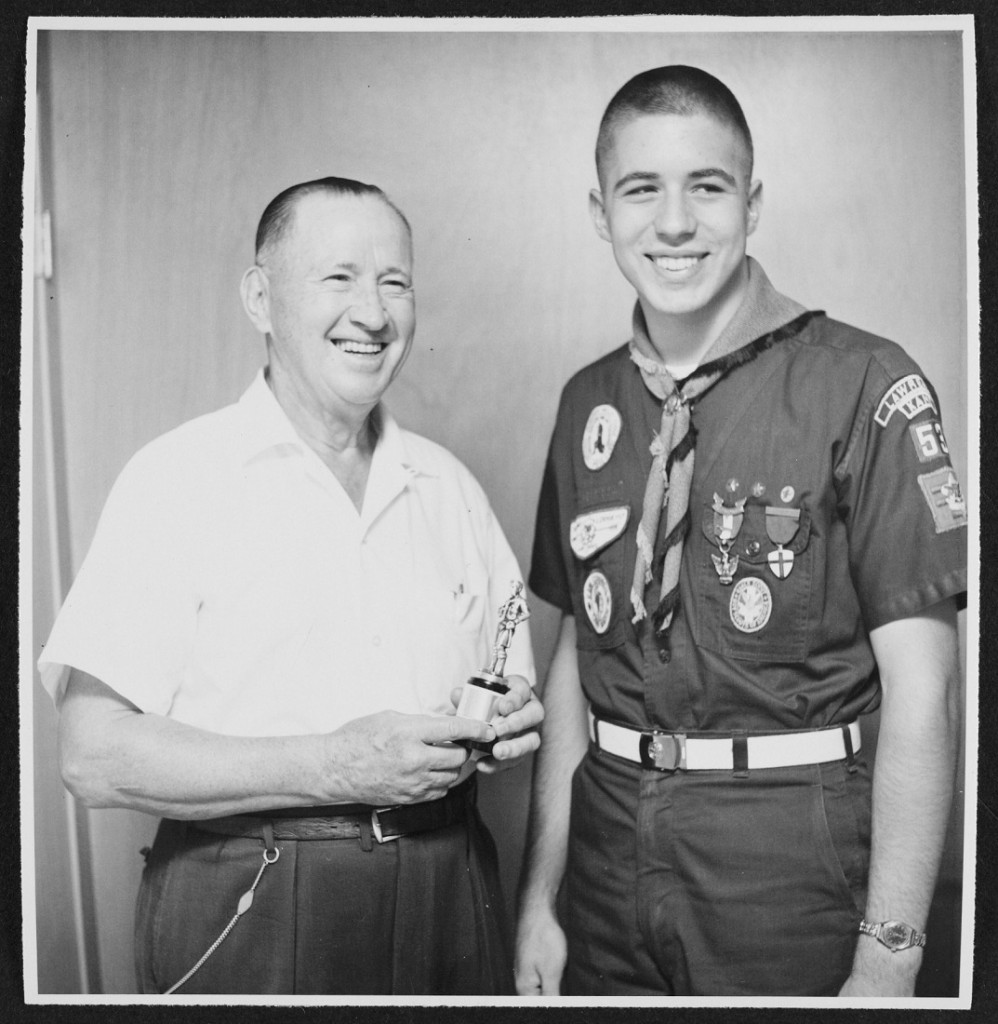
pixel 833 423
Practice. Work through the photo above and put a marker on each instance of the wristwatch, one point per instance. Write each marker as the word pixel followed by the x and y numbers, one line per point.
pixel 895 935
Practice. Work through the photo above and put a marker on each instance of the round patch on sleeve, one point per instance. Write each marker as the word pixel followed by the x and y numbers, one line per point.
pixel 601 433
pixel 751 604
pixel 598 600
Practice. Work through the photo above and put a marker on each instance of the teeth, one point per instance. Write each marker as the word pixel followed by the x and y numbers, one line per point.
pixel 364 348
pixel 675 262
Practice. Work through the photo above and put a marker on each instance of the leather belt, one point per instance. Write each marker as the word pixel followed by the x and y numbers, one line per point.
pixel 348 821
pixel 669 751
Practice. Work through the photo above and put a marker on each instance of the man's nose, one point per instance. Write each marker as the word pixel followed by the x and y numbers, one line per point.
pixel 674 218
pixel 368 311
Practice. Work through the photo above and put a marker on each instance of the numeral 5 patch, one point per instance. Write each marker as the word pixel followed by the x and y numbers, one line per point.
pixel 930 442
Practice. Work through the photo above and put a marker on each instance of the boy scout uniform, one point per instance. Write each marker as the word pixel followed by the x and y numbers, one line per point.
pixel 720 824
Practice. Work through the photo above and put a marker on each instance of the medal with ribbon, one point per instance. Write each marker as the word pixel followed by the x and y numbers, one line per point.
pixel 782 525
pixel 727 523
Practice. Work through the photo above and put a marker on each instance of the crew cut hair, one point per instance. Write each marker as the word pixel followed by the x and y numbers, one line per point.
pixel 279 214
pixel 673 89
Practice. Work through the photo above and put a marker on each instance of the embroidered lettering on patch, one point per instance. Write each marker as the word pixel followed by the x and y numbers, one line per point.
pixel 929 441
pixel 910 394
pixel 751 605
pixel 942 492
pixel 592 531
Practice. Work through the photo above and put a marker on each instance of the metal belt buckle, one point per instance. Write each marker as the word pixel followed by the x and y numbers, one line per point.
pixel 663 751
pixel 376 826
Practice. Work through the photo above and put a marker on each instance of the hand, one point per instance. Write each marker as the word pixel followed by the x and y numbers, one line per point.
pixel 390 758
pixel 541 952
pixel 877 972
pixel 863 986
pixel 518 713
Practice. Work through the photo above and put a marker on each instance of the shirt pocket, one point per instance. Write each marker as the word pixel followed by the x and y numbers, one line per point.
pixel 602 582
pixel 759 616
pixel 459 607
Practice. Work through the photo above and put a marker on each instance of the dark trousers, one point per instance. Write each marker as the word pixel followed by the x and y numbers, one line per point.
pixel 701 883
pixel 421 915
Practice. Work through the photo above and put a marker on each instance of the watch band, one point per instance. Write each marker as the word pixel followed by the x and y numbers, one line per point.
pixel 895 935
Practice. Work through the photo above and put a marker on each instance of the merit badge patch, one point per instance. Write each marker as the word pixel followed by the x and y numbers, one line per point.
pixel 602 431
pixel 942 492
pixel 929 441
pixel 592 531
pixel 598 600
pixel 910 394
pixel 751 604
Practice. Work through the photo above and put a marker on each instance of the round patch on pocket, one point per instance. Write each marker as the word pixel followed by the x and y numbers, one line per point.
pixel 751 604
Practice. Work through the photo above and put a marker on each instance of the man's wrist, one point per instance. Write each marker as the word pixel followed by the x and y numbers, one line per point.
pixel 895 936
pixel 878 963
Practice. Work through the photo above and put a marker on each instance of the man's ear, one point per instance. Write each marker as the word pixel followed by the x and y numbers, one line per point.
pixel 255 292
pixel 598 214
pixel 754 206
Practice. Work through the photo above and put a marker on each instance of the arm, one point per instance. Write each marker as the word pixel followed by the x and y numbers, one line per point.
pixel 912 789
pixel 114 755
pixel 540 942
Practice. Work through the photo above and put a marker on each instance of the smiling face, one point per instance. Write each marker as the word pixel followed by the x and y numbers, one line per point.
pixel 677 206
pixel 335 299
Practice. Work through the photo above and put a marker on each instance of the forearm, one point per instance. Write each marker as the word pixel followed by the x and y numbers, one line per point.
pixel 149 763
pixel 114 755
pixel 565 741
pixel 913 787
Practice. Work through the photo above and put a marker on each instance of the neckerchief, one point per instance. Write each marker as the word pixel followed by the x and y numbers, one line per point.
pixel 764 315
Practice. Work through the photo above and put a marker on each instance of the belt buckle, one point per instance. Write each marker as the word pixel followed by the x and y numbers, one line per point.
pixel 659 753
pixel 376 826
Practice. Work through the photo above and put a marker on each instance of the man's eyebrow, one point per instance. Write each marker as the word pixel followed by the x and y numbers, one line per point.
pixel 714 172
pixel 630 179
pixel 329 268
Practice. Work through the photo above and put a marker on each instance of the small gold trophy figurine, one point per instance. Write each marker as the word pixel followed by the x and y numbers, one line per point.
pixel 483 690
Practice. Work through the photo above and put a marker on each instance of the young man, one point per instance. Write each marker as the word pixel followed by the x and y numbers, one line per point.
pixel 262 644
pixel 785 557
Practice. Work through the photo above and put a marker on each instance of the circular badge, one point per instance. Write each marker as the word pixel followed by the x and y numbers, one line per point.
pixel 601 433
pixel 598 600
pixel 787 494
pixel 751 604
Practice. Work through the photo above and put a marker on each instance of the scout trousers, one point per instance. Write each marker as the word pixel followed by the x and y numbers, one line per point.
pixel 705 883
pixel 420 915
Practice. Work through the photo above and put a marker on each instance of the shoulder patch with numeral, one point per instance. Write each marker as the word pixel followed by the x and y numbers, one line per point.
pixel 930 442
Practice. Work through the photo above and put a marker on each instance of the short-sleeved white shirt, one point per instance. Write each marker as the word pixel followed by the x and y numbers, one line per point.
pixel 232 584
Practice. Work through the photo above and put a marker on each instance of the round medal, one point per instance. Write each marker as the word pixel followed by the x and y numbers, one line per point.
pixel 601 433
pixel 751 604
pixel 598 600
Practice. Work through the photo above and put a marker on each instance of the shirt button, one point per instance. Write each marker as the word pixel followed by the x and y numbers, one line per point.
pixel 753 547
pixel 376 640
pixel 664 654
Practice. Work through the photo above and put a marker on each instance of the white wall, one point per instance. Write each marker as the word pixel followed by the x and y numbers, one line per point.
pixel 164 148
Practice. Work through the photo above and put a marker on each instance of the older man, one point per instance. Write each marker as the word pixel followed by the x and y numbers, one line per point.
pixel 262 644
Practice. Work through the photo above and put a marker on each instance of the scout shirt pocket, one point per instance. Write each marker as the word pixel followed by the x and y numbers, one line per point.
pixel 762 614
pixel 597 535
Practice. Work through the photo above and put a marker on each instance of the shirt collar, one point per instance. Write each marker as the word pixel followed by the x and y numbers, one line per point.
pixel 266 427
pixel 762 310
